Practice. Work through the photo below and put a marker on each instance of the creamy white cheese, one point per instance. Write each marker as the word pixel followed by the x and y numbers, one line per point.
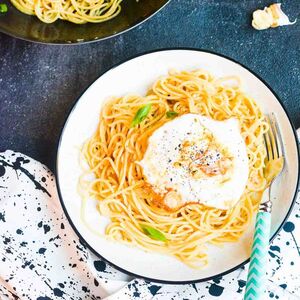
pixel 181 164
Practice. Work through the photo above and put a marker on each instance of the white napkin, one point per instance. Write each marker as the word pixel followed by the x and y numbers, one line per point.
pixel 41 257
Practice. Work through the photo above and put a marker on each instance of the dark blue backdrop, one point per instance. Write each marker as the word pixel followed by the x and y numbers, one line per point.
pixel 39 83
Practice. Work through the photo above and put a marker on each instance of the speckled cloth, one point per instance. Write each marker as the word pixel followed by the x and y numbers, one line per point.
pixel 41 258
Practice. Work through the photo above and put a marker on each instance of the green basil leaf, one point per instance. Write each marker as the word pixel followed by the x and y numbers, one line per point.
pixel 171 114
pixel 153 233
pixel 141 114
pixel 3 8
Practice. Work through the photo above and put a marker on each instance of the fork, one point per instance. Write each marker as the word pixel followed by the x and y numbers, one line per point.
pixel 259 255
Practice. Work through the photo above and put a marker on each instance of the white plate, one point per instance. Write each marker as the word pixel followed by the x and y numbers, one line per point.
pixel 137 75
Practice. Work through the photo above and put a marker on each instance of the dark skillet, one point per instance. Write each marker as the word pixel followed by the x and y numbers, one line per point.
pixel 30 28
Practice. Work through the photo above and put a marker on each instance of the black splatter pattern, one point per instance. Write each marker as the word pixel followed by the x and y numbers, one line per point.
pixel 215 290
pixel 41 246
pixel 18 165
pixel 2 216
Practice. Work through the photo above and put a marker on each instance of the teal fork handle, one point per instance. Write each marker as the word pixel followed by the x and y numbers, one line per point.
pixel 256 281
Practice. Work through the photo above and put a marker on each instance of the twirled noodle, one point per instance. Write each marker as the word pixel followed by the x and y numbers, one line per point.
pixel 75 11
pixel 113 151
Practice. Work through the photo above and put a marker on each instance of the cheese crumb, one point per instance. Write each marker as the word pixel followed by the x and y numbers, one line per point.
pixel 271 16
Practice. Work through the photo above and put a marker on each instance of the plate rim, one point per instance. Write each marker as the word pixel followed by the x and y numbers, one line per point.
pixel 89 41
pixel 72 108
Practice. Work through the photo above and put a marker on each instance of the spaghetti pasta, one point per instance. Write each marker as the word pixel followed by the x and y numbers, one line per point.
pixel 123 195
pixel 75 11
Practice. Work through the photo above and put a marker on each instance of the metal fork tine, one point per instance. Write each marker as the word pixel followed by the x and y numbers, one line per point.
pixel 266 146
pixel 279 142
pixel 269 140
pixel 273 138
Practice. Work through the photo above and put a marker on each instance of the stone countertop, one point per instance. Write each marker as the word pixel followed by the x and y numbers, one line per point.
pixel 39 83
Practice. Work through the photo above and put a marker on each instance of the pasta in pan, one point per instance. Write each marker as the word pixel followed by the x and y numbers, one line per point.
pixel 123 191
pixel 75 11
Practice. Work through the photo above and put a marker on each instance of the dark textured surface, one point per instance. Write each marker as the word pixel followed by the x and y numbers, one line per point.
pixel 39 83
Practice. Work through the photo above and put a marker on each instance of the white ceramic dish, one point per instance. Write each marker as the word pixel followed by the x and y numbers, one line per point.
pixel 137 75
